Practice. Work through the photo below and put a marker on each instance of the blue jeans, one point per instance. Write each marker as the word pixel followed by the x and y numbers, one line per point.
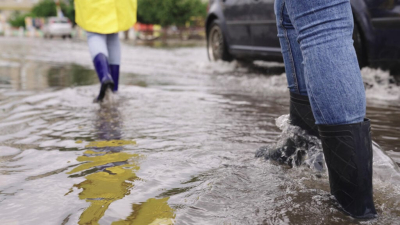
pixel 320 60
pixel 108 44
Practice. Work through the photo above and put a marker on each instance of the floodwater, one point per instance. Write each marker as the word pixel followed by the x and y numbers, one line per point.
pixel 176 145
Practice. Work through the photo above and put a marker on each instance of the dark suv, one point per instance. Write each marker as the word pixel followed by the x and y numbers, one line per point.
pixel 246 29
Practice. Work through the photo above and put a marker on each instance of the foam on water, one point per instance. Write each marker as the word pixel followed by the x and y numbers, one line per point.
pixel 385 169
pixel 380 84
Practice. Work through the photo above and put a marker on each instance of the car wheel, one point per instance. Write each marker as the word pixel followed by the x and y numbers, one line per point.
pixel 69 36
pixel 358 46
pixel 50 36
pixel 216 44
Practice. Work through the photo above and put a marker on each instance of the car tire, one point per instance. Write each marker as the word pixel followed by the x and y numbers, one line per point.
pixel 217 48
pixel 359 47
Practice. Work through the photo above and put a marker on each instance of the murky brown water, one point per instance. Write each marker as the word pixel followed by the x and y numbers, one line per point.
pixel 175 146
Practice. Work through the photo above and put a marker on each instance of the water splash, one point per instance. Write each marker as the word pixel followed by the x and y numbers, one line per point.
pixel 294 147
pixel 380 84
pixel 385 169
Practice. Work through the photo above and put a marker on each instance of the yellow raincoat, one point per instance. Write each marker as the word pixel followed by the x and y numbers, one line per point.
pixel 105 16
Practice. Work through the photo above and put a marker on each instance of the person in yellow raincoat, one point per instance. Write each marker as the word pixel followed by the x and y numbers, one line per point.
pixel 103 19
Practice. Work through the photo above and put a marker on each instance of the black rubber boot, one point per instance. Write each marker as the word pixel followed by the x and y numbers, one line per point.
pixel 348 155
pixel 302 116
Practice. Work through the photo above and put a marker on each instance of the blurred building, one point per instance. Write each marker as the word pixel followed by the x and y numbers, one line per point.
pixel 9 6
pixel 17 4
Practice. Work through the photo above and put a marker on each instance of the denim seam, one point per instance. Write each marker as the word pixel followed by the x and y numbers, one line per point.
pixel 290 50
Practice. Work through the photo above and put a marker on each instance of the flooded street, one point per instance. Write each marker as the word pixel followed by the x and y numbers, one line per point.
pixel 176 145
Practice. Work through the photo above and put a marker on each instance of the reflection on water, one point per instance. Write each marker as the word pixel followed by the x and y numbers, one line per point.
pixel 110 174
pixel 38 76
pixel 70 75
pixel 153 212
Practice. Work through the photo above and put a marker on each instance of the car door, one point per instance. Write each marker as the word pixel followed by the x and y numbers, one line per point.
pixel 385 19
pixel 384 13
pixel 263 27
pixel 237 16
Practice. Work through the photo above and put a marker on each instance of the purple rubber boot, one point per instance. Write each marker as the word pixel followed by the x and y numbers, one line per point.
pixel 114 71
pixel 102 68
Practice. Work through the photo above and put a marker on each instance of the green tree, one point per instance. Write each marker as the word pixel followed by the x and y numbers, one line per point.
pixel 170 12
pixel 47 8
pixel 44 8
pixel 17 19
pixel 69 10
pixel 148 11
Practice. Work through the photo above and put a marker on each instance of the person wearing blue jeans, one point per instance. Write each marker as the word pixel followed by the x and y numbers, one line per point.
pixel 327 96
pixel 106 55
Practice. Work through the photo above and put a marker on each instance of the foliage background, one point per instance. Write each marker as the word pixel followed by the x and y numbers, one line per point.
pixel 163 12
pixel 170 12
pixel 45 8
